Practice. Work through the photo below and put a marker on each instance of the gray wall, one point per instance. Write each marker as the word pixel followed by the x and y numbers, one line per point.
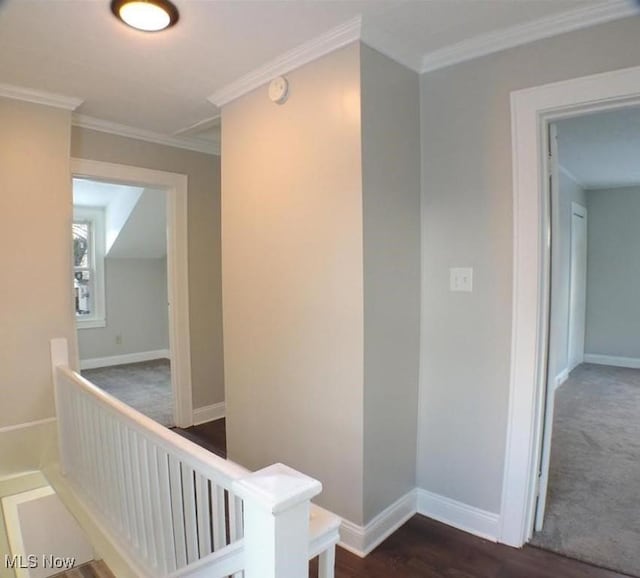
pixel 35 234
pixel 613 272
pixel 467 219
pixel 136 306
pixel 205 286
pixel 391 213
pixel 568 191
pixel 293 278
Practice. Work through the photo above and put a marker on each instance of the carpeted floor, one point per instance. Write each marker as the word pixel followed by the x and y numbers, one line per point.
pixel 593 506
pixel 144 386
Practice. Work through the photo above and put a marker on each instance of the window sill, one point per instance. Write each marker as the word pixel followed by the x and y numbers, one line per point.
pixel 90 323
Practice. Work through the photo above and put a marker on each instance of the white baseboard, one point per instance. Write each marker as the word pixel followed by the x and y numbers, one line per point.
pixel 124 359
pixel 208 413
pixel 360 540
pixel 562 377
pixel 631 362
pixel 459 515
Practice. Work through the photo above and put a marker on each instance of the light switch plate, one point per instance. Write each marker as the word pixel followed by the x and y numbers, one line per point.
pixel 461 279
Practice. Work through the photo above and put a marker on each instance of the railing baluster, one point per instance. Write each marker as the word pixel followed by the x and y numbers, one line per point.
pixel 108 462
pixel 219 517
pixel 203 505
pixel 235 518
pixel 134 464
pixel 164 498
pixel 190 517
pixel 143 465
pixel 121 477
pixel 154 488
pixel 177 510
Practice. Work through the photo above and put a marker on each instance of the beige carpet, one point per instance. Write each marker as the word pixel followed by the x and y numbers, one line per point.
pixel 144 386
pixel 593 505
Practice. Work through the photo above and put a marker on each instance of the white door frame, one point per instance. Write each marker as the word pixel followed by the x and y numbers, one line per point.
pixel 175 186
pixel 531 110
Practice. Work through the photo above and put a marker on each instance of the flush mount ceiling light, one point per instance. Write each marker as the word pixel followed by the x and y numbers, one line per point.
pixel 147 15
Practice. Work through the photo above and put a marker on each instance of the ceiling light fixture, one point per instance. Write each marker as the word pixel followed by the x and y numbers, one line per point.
pixel 146 15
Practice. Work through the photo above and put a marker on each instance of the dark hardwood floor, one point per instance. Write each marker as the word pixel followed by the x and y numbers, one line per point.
pixel 424 548
pixel 95 569
pixel 211 435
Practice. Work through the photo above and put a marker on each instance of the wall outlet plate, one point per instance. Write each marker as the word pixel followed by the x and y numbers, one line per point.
pixel 461 279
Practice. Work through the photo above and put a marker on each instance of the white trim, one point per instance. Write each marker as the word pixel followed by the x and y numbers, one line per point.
pixel 176 187
pixel 209 413
pixel 562 377
pixel 192 144
pixel 613 360
pixel 335 38
pixel 20 426
pixel 530 109
pixel 528 32
pixel 198 127
pixel 360 540
pixel 90 323
pixel 39 97
pixel 459 515
pixel 125 358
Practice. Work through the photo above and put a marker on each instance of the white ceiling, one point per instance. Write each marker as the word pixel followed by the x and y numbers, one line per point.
pixel 160 82
pixel 602 150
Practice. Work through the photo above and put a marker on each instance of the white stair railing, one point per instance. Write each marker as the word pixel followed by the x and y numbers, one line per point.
pixel 174 508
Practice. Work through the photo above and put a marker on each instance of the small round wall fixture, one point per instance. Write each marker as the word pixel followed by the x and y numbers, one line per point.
pixel 146 15
pixel 279 90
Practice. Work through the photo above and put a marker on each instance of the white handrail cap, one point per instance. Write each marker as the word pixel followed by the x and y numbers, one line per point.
pixel 277 488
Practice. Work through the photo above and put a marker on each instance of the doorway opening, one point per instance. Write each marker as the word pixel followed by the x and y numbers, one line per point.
pixel 121 295
pixel 532 110
pixel 131 286
pixel 587 505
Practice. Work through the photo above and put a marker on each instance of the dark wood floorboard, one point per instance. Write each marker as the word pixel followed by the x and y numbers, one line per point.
pixel 211 436
pixel 424 548
pixel 95 569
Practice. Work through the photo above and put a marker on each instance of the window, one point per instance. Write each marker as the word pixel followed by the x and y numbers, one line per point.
pixel 88 267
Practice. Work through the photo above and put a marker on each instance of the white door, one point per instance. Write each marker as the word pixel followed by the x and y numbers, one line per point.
pixel 578 285
pixel 551 369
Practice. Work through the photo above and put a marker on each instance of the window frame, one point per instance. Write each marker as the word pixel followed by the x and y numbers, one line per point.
pixel 95 217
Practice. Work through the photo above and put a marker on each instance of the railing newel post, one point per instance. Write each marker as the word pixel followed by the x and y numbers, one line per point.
pixel 276 521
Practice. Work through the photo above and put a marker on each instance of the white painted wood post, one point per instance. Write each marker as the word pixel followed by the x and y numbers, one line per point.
pixel 276 521
pixel 60 356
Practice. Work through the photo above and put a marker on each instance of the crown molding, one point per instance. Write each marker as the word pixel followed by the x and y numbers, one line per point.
pixel 332 40
pixel 525 33
pixel 39 97
pixel 192 144
pixel 199 126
